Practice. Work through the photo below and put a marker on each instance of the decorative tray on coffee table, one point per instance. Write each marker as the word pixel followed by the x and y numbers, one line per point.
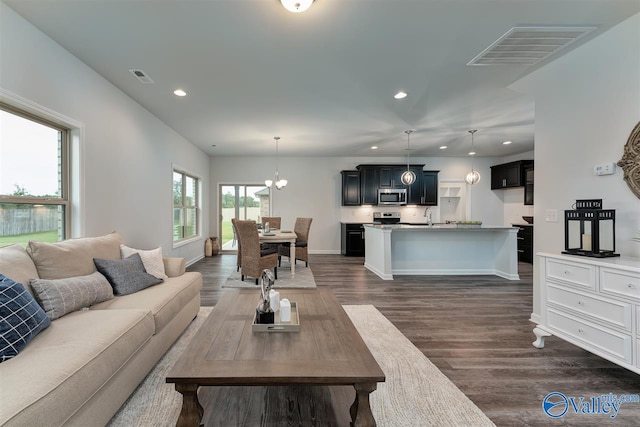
pixel 278 326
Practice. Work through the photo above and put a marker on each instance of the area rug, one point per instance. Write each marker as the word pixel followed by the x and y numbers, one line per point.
pixel 302 279
pixel 415 393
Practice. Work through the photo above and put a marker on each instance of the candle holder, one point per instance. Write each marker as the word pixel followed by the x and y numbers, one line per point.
pixel 590 230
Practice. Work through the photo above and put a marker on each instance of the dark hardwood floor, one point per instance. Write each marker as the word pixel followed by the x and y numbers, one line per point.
pixel 476 330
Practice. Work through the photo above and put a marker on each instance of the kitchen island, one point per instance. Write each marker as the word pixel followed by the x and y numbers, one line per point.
pixel 441 250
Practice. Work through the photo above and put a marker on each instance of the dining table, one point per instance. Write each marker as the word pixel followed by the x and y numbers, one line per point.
pixel 281 236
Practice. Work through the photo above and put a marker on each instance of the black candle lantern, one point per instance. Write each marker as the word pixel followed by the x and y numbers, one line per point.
pixel 590 230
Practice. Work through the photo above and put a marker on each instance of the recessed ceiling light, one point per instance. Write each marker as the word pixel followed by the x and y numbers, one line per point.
pixel 472 153
pixel 506 143
pixel 180 92
pixel 400 95
pixel 374 147
pixel 443 147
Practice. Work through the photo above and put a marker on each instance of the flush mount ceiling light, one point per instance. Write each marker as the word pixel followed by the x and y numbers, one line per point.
pixel 408 177
pixel 374 147
pixel 473 177
pixel 400 95
pixel 179 92
pixel 443 147
pixel 277 183
pixel 296 6
pixel 506 143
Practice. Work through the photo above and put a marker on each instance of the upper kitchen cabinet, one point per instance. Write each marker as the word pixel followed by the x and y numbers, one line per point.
pixel 350 188
pixel 528 184
pixel 509 175
pixel 369 185
pixel 429 195
pixel 370 178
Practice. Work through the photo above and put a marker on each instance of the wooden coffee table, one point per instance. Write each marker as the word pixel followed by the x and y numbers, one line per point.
pixel 328 350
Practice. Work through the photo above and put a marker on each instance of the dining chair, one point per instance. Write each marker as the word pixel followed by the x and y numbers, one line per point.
pixel 274 221
pixel 235 237
pixel 253 259
pixel 301 229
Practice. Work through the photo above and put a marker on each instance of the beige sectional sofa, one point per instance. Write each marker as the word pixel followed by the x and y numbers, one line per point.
pixel 84 366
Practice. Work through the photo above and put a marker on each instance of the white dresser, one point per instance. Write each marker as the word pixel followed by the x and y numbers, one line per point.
pixel 593 303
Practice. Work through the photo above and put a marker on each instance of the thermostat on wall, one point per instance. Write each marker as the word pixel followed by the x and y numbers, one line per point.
pixel 605 169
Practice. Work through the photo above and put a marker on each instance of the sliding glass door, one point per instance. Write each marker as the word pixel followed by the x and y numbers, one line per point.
pixel 242 201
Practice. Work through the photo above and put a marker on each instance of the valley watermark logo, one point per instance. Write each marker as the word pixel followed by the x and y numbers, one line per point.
pixel 556 404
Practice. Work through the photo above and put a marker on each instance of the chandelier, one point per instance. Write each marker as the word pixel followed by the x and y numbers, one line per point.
pixel 473 177
pixel 276 183
pixel 296 6
pixel 408 177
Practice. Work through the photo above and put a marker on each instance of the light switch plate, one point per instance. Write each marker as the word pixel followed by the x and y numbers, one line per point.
pixel 551 215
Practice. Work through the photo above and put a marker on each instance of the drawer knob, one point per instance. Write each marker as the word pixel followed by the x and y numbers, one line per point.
pixel 631 286
pixel 567 272
pixel 580 302
pixel 581 331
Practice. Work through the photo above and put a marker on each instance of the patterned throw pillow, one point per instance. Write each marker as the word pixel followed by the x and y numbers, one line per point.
pixel 152 260
pixel 21 318
pixel 126 276
pixel 62 296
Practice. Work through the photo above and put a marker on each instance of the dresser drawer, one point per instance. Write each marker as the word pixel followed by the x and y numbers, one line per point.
pixel 620 283
pixel 574 273
pixel 614 312
pixel 600 339
pixel 638 325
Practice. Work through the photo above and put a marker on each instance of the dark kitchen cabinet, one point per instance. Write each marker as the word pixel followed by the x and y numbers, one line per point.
pixel 528 184
pixel 509 175
pixel 525 243
pixel 352 239
pixel 506 175
pixel 370 178
pixel 369 185
pixel 350 188
pixel 385 177
pixel 429 188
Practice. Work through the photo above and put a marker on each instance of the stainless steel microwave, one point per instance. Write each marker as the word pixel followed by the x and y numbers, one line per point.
pixel 392 196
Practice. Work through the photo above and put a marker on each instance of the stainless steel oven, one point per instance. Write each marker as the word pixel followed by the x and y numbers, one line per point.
pixel 392 196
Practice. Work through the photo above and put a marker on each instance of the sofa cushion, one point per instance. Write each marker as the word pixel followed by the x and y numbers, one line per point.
pixel 126 276
pixel 62 296
pixel 69 362
pixel 152 260
pixel 164 300
pixel 73 257
pixel 16 263
pixel 21 318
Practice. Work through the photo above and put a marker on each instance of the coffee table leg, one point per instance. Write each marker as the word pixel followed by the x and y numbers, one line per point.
pixel 361 415
pixel 192 411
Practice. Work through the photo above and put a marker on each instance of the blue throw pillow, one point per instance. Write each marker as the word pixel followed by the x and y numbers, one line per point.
pixel 21 318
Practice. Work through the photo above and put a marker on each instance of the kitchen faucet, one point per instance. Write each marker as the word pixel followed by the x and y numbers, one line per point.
pixel 427 214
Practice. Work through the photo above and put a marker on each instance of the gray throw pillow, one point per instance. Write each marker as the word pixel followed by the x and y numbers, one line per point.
pixel 62 296
pixel 127 275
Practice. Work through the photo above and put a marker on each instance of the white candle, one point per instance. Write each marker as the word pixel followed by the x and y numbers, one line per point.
pixel 285 310
pixel 586 242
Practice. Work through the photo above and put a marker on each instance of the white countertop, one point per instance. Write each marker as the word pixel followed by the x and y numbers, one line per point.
pixel 440 227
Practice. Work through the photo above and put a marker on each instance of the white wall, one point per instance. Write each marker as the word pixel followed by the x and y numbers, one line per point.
pixel 315 186
pixel 587 103
pixel 127 153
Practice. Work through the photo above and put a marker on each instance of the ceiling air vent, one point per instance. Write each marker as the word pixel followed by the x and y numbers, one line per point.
pixel 140 75
pixel 528 45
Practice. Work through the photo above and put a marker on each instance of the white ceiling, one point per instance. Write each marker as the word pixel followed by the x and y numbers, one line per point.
pixel 322 80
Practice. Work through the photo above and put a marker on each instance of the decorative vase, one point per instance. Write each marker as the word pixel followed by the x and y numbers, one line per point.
pixel 215 246
pixel 208 248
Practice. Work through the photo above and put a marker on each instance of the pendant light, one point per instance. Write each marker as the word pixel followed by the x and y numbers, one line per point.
pixel 296 6
pixel 408 177
pixel 473 177
pixel 278 183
